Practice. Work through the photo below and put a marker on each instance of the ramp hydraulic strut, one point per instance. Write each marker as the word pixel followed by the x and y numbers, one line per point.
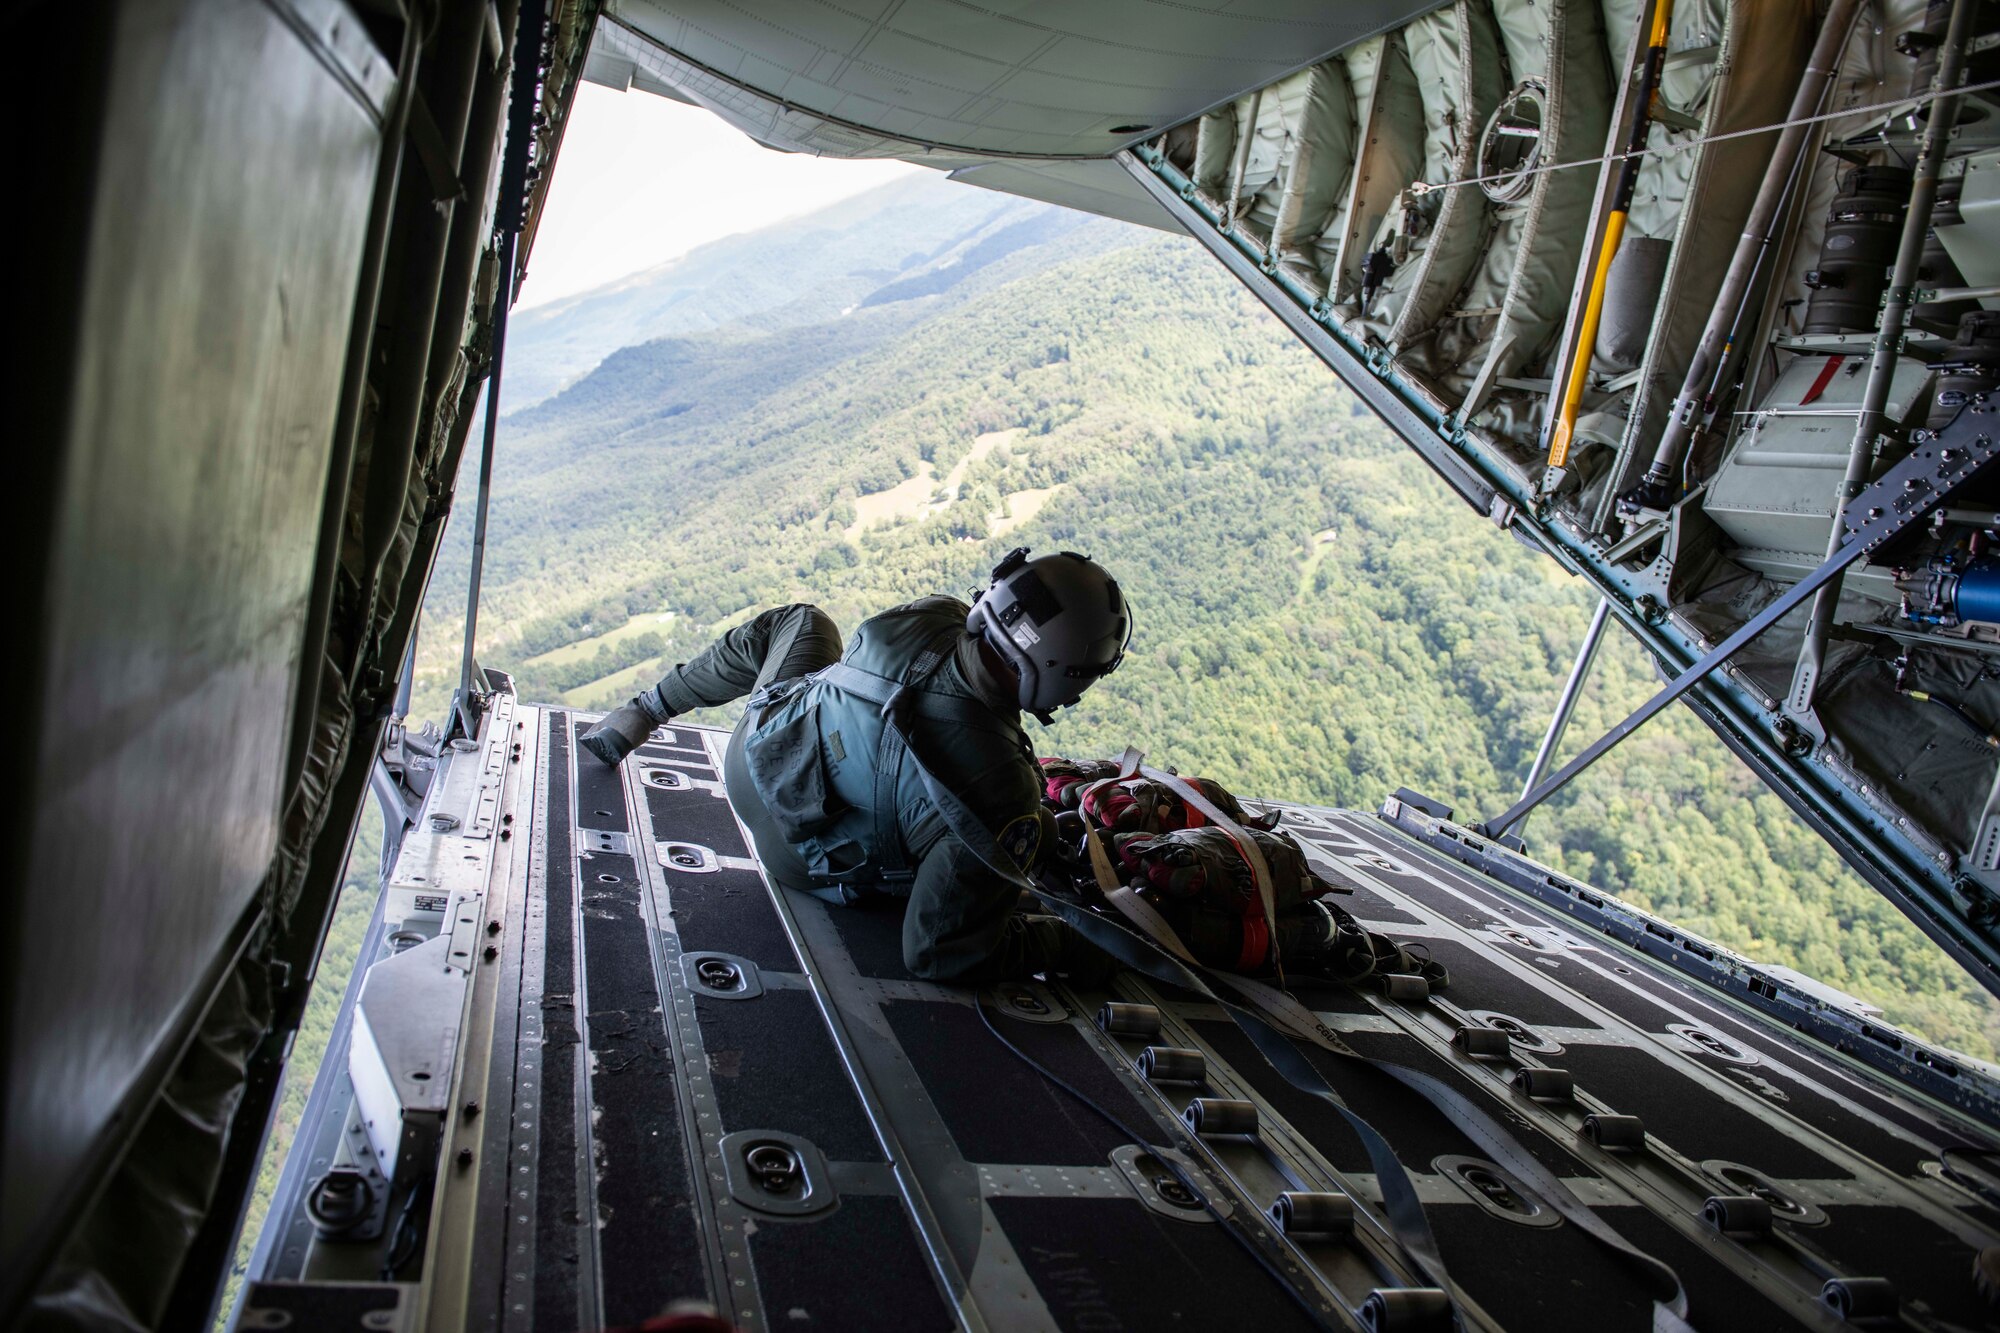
pixel 1586 655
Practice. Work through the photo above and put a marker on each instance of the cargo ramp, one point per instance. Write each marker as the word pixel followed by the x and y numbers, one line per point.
pixel 641 1074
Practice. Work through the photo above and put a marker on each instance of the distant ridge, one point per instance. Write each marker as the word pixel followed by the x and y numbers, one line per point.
pixel 801 270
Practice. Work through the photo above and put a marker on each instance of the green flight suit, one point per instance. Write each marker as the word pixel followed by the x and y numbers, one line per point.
pixel 961 923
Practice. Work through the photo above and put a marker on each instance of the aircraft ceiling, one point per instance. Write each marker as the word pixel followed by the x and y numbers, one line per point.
pixel 1033 78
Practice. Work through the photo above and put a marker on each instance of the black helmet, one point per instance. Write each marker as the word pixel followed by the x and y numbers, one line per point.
pixel 1059 621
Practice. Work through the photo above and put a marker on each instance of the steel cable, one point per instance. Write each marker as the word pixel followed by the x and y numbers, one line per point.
pixel 1674 149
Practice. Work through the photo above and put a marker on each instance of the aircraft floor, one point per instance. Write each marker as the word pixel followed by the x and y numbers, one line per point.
pixel 951 1184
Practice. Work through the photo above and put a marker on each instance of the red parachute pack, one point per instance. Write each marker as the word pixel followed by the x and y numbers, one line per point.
pixel 1063 780
pixel 1201 883
pixel 1121 803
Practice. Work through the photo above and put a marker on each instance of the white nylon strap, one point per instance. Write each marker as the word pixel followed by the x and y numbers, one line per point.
pixel 1286 1013
pixel 1245 844
pixel 1143 916
pixel 1131 904
pixel 1128 767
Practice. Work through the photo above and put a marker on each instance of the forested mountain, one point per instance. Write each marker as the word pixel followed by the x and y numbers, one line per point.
pixel 805 271
pixel 1318 618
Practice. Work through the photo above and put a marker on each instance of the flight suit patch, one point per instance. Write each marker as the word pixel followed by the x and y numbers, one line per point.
pixel 1021 839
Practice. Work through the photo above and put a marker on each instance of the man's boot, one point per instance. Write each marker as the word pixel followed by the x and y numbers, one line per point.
pixel 625 728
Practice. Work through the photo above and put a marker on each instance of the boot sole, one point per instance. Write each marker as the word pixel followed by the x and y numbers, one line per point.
pixel 604 747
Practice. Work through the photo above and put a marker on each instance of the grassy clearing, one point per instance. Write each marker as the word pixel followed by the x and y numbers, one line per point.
pixel 655 621
pixel 608 691
pixel 906 499
pixel 981 447
pixel 916 497
pixel 1017 508
pixel 1314 554
pixel 735 618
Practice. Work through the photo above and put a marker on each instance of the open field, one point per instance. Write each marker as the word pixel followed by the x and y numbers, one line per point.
pixel 1018 508
pixel 656 621
pixel 606 691
pixel 915 497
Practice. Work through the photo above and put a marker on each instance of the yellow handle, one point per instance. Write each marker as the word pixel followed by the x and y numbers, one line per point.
pixel 1614 232
pixel 1586 341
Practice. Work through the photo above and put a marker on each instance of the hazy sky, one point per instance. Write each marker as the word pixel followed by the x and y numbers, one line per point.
pixel 642 179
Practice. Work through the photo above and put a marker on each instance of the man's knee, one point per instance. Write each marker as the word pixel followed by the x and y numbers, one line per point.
pixel 952 956
pixel 812 620
pixel 809 639
pixel 1016 946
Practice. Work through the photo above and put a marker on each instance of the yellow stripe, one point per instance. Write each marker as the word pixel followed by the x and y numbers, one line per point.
pixel 1593 306
pixel 1663 13
pixel 1586 342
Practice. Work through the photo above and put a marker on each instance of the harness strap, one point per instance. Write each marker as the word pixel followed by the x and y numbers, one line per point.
pixel 1399 1196
pixel 908 694
pixel 895 697
pixel 888 849
pixel 1132 764
pixel 1246 847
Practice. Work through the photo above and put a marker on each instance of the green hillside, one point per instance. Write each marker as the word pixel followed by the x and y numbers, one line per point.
pixel 795 273
pixel 1318 618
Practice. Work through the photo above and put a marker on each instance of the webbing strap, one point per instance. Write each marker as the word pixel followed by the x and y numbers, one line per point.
pixel 1246 847
pixel 1142 914
pixel 1405 1215
pixel 1131 904
pixel 1399 1196
pixel 888 828
pixel 1399 1193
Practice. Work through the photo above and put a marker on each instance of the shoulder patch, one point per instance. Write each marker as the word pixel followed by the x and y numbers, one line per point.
pixel 1021 839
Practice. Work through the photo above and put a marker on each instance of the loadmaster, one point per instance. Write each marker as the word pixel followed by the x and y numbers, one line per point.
pixel 837 765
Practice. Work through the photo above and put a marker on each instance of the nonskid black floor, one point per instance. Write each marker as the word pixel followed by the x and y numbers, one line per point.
pixel 859 1267
pixel 1102 1264
pixel 1000 1110
pixel 646 1236
pixel 776 1065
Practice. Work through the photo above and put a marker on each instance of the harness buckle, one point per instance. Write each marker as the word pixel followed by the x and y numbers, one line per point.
pixel 776 692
